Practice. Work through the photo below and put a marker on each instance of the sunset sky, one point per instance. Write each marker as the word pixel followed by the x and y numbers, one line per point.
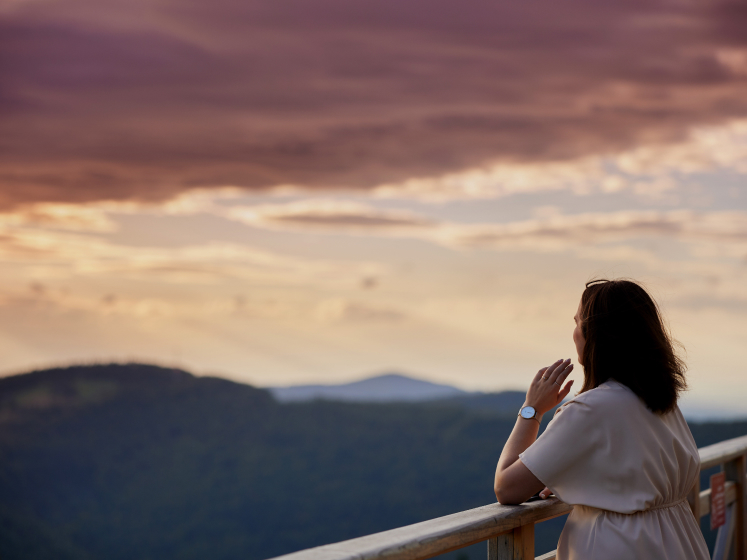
pixel 318 191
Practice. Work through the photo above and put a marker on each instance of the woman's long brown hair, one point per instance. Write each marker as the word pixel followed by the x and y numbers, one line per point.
pixel 626 340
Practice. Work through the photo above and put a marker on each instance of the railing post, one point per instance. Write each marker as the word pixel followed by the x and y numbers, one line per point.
pixel 524 541
pixel 516 545
pixel 499 548
pixel 736 470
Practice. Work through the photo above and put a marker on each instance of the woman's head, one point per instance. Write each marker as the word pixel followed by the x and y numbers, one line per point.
pixel 620 335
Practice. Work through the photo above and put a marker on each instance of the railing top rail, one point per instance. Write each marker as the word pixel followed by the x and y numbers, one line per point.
pixel 723 451
pixel 436 536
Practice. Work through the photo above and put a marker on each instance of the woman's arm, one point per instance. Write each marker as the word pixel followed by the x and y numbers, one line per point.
pixel 514 483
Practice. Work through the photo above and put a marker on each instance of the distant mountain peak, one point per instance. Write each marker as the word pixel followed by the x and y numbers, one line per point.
pixel 386 387
pixel 392 376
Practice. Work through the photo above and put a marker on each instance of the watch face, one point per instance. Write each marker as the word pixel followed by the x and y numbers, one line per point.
pixel 528 412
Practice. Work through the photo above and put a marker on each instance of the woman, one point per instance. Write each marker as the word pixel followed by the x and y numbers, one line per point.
pixel 620 452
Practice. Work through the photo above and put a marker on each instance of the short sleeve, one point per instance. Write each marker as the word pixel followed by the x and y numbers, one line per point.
pixel 562 457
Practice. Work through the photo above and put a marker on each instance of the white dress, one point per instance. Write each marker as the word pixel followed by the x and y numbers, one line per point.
pixel 627 472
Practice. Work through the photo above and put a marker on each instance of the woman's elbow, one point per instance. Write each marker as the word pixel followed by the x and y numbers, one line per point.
pixel 499 494
pixel 506 498
pixel 504 495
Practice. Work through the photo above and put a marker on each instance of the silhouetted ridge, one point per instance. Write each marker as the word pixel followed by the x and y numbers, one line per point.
pixel 98 384
pixel 61 380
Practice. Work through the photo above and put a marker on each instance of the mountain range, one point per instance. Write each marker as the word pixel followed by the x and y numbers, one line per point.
pixel 135 462
pixel 388 387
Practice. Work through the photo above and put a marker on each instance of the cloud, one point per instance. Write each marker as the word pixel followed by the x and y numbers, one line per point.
pixel 34 234
pixel 564 232
pixel 550 230
pixel 76 217
pixel 101 103
pixel 650 171
pixel 329 215
pixel 342 310
pixel 71 255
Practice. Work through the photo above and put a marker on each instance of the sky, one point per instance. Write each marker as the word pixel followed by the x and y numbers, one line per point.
pixel 300 192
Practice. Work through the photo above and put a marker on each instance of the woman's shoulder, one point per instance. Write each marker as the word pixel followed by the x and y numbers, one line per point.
pixel 609 395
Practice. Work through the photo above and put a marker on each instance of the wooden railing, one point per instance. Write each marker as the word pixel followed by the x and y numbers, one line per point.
pixel 509 530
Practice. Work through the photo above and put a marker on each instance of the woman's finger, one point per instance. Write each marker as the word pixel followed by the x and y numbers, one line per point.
pixel 563 375
pixel 545 493
pixel 567 389
pixel 540 374
pixel 551 369
pixel 559 369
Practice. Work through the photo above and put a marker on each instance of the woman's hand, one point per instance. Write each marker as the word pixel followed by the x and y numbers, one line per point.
pixel 546 390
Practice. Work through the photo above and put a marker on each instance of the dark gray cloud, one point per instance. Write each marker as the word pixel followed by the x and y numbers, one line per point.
pixel 141 100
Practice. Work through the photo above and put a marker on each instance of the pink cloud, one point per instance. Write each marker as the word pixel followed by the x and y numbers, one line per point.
pixel 142 100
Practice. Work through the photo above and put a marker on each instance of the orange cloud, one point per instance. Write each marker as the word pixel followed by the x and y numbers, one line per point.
pixel 589 229
pixel 550 231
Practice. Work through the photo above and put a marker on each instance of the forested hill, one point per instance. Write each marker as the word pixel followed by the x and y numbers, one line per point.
pixel 140 462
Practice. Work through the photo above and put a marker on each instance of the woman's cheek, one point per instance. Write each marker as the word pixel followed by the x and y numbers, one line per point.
pixel 579 341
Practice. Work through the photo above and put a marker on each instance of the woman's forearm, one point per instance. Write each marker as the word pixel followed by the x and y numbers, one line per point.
pixel 513 482
pixel 522 436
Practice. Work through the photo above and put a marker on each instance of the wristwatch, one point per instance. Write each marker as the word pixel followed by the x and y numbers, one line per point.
pixel 528 412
